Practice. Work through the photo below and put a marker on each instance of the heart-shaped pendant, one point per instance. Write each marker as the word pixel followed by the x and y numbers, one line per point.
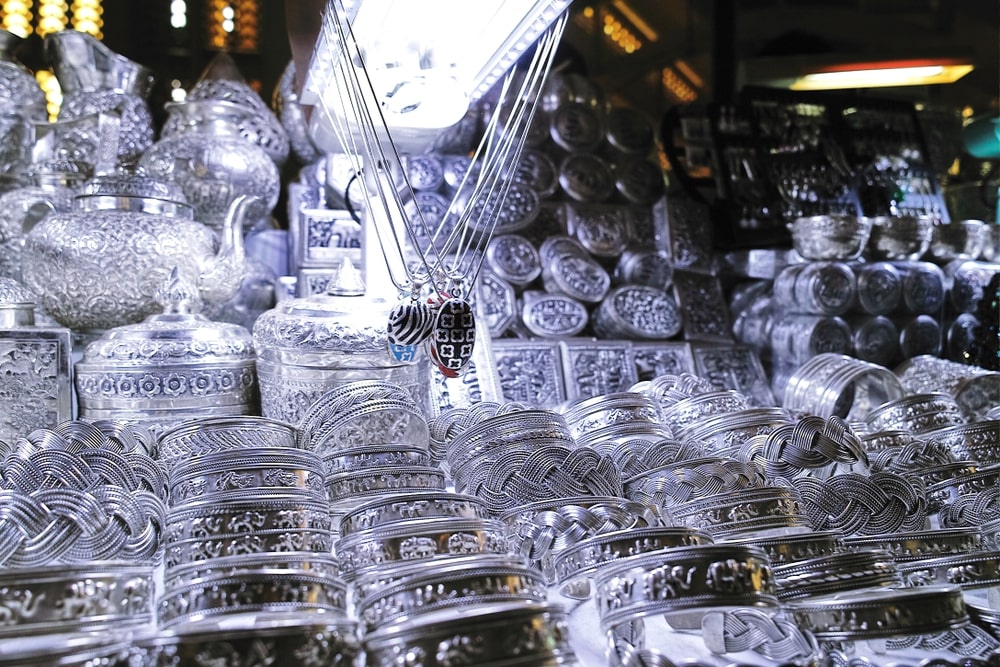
pixel 410 323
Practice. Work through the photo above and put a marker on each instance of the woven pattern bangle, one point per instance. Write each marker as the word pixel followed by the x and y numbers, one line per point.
pixel 404 507
pixel 75 598
pixel 920 545
pixel 366 412
pixel 880 613
pixel 693 479
pixel 539 529
pixel 486 635
pixel 311 641
pixel 969 641
pixel 880 503
pixel 811 446
pixel 418 540
pixel 409 590
pixel 75 494
pixel 682 580
pixel 575 566
pixel 757 630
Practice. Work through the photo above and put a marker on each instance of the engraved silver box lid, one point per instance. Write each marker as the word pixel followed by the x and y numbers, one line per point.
pixel 169 368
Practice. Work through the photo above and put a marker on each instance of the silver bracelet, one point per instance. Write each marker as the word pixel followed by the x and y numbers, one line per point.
pixel 975 389
pixel 310 639
pixel 406 591
pixel 880 613
pixel 681 481
pixel 247 469
pixel 683 583
pixel 375 455
pixel 789 549
pixel 93 597
pixel 727 432
pixel 400 508
pixel 575 566
pixel 918 413
pixel 264 588
pixel 836 573
pixel 763 510
pixel 422 539
pixel 347 490
pixel 832 384
pixel 907 547
pixel 218 434
pixel 975 441
pixel 535 634
pixel 970 571
pixel 880 503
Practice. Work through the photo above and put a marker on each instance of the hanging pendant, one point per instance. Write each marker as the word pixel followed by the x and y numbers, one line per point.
pixel 410 322
pixel 454 336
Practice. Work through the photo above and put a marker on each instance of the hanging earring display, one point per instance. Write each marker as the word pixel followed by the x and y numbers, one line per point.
pixel 455 253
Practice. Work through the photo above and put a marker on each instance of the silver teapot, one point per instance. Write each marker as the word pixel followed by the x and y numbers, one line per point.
pixel 99 265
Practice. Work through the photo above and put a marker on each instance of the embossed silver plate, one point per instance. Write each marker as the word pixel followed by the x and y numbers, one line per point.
pixel 734 367
pixel 668 358
pixel 703 306
pixel 592 367
pixel 530 372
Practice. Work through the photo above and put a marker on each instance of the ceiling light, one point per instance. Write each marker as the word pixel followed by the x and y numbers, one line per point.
pixel 805 73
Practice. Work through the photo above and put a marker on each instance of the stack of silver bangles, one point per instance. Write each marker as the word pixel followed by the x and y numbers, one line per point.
pixel 81 515
pixel 248 528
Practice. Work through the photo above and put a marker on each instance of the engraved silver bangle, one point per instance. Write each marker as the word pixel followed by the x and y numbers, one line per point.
pixel 575 566
pixel 401 508
pixel 246 469
pixel 921 545
pixel 312 640
pixel 976 441
pixel 56 599
pixel 977 390
pixel 347 490
pixel 881 613
pixel 788 549
pixel 836 573
pixel 194 549
pixel 970 571
pixel 375 455
pixel 763 511
pixel 72 650
pixel 683 583
pixel 405 591
pixel 489 635
pixel 218 434
pixel 690 411
pixel 596 412
pixel 918 413
pixel 727 432
pixel 257 587
pixel 423 539
pixel 305 561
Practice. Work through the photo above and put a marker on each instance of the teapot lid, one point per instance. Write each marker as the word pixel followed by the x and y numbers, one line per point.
pixel 134 192
pixel 179 335
pixel 60 171
pixel 343 319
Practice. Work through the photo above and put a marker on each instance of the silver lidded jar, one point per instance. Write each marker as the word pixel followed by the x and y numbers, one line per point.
pixel 310 345
pixel 36 387
pixel 208 156
pixel 169 368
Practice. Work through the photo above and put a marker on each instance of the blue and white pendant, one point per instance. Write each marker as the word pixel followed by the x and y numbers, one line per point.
pixel 453 338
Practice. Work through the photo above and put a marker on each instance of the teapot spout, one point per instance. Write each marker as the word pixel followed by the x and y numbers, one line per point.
pixel 222 278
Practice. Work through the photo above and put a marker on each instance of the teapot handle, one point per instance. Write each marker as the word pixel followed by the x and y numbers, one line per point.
pixel 35 214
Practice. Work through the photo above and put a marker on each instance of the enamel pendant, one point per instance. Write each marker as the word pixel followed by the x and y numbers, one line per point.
pixel 454 336
pixel 410 323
